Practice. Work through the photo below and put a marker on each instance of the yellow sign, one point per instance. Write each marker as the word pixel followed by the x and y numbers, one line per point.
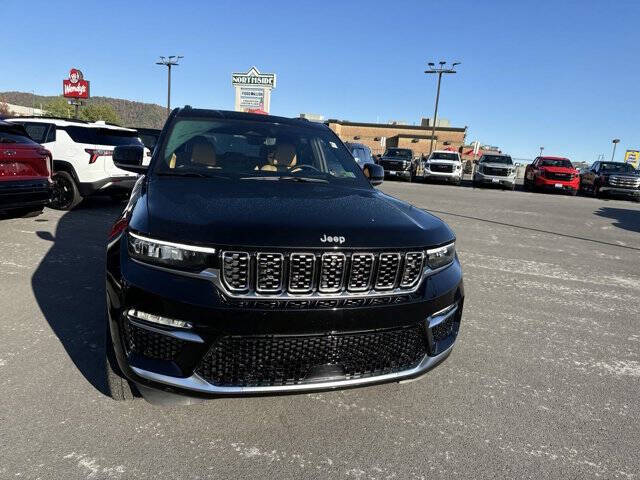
pixel 632 157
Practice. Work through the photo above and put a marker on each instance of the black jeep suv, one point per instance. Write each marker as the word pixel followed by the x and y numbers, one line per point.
pixel 255 257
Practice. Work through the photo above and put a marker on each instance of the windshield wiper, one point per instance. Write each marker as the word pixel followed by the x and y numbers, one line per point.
pixel 288 178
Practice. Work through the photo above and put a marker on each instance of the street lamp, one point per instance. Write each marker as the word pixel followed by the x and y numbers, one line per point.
pixel 615 141
pixel 439 70
pixel 541 149
pixel 169 62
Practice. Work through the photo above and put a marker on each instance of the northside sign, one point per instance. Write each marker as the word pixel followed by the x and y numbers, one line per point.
pixel 254 78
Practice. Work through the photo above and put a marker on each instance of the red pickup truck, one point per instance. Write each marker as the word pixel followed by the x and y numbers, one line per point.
pixel 25 172
pixel 555 173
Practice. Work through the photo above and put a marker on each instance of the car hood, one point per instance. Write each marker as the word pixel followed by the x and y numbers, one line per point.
pixel 282 214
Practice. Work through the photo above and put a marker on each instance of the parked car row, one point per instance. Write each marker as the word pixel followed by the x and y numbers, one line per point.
pixel 79 164
pixel 544 173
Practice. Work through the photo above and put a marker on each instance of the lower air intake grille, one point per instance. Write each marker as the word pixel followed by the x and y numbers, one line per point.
pixel 150 344
pixel 290 360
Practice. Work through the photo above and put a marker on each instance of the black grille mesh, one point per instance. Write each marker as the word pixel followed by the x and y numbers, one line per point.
pixel 332 272
pixel 443 330
pixel 301 272
pixel 235 269
pixel 150 344
pixel 361 271
pixel 441 167
pixel 412 269
pixel 388 266
pixel 289 360
pixel 269 272
pixel 496 171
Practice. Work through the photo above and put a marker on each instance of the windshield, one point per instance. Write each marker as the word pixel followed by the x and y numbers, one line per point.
pixel 444 156
pixel 617 167
pixel 398 152
pixel 496 159
pixel 556 162
pixel 248 150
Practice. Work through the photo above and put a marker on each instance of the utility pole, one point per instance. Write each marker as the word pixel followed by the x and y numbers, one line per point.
pixel 439 70
pixel 615 141
pixel 169 62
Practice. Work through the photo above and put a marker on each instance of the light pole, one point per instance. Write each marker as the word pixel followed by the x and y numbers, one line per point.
pixel 541 149
pixel 169 62
pixel 615 141
pixel 439 70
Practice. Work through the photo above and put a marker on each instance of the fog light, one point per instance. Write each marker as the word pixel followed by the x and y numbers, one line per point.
pixel 151 318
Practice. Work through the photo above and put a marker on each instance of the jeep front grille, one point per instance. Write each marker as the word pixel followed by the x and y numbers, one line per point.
pixel 235 270
pixel 305 273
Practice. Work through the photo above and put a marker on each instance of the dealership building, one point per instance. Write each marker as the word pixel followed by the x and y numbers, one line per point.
pixel 379 136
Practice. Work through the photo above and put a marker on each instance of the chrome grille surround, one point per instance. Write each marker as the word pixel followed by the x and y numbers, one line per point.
pixel 301 272
pixel 413 262
pixel 309 278
pixel 269 272
pixel 332 272
pixel 361 272
pixel 624 181
pixel 388 268
pixel 235 270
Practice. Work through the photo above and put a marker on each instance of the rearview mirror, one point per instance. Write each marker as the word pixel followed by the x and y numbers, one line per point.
pixel 129 158
pixel 375 173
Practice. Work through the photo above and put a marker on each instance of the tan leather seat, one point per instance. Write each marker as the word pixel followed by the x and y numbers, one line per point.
pixel 283 156
pixel 203 153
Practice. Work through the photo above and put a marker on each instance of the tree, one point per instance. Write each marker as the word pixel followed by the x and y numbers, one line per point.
pixel 4 110
pixel 99 111
pixel 58 108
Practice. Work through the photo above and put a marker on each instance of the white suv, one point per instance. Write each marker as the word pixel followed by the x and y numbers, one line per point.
pixel 82 163
pixel 441 165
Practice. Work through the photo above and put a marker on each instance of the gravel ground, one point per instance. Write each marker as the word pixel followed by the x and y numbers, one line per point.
pixel 543 382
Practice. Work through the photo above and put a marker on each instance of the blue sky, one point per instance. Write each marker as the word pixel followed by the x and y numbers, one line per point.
pixel 562 74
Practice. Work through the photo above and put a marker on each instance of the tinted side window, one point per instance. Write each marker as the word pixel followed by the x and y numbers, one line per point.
pixel 102 136
pixel 37 131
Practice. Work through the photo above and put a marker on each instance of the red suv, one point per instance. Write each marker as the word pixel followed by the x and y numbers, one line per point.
pixel 552 173
pixel 25 172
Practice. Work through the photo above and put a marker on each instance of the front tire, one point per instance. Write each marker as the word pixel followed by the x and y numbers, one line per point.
pixel 65 192
pixel 119 388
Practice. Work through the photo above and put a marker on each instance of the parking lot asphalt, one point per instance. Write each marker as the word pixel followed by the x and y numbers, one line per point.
pixel 543 383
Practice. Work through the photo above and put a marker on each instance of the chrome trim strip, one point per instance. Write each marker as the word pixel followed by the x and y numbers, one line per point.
pixel 344 269
pixel 198 384
pixel 280 281
pixel 213 275
pixel 180 335
pixel 443 315
pixel 193 248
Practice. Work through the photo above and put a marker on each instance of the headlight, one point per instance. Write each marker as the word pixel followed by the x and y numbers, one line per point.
pixel 187 257
pixel 442 256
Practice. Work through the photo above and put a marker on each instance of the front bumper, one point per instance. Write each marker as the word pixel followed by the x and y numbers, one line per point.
pixel 543 182
pixel 132 285
pixel 629 192
pixel 388 173
pixel 15 194
pixel 479 177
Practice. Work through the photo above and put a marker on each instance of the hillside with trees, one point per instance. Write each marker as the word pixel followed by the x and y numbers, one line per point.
pixel 115 110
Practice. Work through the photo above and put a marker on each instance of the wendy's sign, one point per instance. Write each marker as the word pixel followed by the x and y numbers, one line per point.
pixel 75 86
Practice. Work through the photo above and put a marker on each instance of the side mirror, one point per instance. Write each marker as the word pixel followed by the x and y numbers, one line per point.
pixel 129 158
pixel 375 173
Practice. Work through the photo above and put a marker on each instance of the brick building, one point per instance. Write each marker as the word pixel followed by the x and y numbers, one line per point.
pixel 417 138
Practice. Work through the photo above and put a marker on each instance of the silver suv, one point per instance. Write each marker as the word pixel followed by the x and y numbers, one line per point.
pixel 495 169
